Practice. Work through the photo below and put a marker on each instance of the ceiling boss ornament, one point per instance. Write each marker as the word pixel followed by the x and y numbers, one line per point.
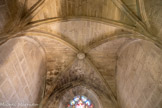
pixel 81 56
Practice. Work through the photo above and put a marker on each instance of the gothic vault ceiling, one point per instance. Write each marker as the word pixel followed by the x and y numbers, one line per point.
pixel 82 38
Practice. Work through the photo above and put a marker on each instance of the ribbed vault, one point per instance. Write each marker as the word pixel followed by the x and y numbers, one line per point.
pixel 99 29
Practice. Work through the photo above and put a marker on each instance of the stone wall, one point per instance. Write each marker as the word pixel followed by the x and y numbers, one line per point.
pixel 139 72
pixel 22 73
pixel 4 14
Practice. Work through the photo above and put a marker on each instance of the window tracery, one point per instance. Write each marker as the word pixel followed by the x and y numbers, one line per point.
pixel 80 102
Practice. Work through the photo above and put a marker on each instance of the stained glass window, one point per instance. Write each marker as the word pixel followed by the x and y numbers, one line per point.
pixel 80 102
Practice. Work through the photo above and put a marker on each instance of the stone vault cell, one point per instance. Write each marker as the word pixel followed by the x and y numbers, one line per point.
pixel 22 71
pixel 138 76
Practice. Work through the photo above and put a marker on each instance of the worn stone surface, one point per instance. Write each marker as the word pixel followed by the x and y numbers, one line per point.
pixel 22 73
pixel 100 29
pixel 81 34
pixel 138 74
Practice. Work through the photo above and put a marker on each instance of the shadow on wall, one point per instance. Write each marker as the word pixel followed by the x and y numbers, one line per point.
pixel 154 15
pixel 5 50
pixel 41 83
